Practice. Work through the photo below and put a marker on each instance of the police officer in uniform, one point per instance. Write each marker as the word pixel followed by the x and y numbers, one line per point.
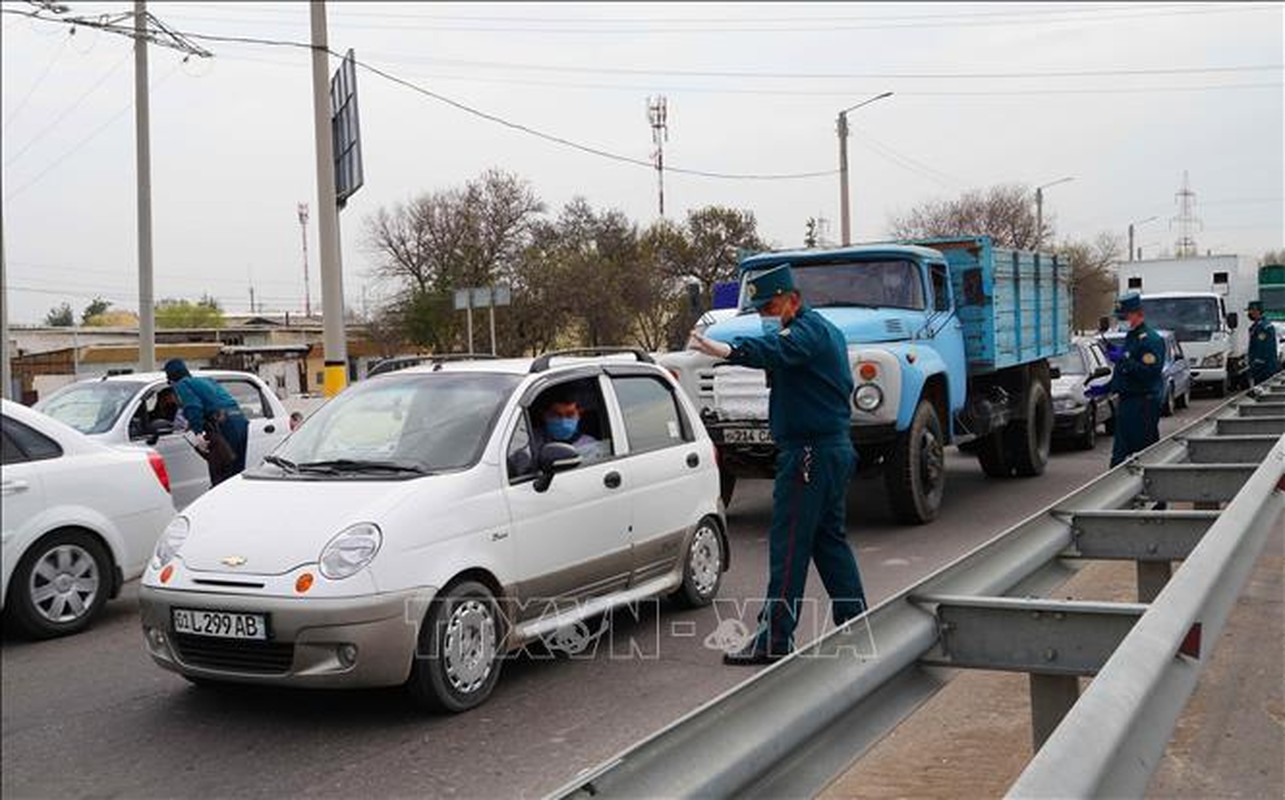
pixel 1263 358
pixel 1138 379
pixel 806 360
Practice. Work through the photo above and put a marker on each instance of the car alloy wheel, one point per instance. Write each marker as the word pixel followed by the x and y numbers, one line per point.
pixel 703 566
pixel 64 583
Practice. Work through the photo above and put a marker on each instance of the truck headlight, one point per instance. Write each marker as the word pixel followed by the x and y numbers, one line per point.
pixel 1215 360
pixel 171 540
pixel 867 397
pixel 352 549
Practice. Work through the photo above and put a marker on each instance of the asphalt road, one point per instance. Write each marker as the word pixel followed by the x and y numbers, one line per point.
pixel 90 715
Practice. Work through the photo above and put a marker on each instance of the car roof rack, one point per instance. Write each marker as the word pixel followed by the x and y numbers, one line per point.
pixel 542 362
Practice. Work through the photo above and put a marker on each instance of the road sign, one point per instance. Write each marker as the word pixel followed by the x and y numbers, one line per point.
pixel 344 124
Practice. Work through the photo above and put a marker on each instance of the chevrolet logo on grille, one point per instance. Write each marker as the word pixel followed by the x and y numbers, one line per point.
pixel 233 561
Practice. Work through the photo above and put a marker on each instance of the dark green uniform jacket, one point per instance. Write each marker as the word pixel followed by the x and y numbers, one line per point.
pixel 1138 379
pixel 1263 361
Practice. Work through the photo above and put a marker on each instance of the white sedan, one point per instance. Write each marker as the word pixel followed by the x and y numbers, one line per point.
pixel 79 519
pixel 122 409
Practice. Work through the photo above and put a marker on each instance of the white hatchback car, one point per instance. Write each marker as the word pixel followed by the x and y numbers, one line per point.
pixel 79 519
pixel 122 409
pixel 419 527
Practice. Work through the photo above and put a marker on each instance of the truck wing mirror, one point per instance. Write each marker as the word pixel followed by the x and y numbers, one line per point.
pixel 1233 320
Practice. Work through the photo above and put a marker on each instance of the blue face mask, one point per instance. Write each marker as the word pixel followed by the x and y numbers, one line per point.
pixel 561 429
pixel 771 325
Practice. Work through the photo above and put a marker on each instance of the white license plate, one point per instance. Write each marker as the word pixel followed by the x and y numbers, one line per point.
pixel 747 436
pixel 222 624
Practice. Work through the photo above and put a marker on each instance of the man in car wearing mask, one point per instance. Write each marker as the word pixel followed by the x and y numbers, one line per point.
pixel 561 419
pixel 809 414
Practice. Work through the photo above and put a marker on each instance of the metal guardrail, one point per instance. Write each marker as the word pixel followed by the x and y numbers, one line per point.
pixel 791 728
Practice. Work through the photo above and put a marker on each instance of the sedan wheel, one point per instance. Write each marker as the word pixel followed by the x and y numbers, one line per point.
pixel 60 584
pixel 703 566
pixel 458 661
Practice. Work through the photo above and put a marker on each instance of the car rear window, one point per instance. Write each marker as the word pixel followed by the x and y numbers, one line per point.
pixel 652 417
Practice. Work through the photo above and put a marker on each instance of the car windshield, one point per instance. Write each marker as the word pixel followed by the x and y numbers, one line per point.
pixel 1192 319
pixel 893 284
pixel 91 407
pixel 1071 363
pixel 410 424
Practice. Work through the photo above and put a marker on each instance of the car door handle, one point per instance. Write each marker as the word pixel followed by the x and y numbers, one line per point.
pixel 13 487
pixel 611 480
pixel 270 429
pixel 693 460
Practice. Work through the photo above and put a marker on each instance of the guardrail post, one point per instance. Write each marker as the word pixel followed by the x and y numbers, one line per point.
pixel 1152 577
pixel 1051 698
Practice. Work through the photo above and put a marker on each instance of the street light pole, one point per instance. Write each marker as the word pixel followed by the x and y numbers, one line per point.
pixel 332 280
pixel 143 171
pixel 845 221
pixel 1039 209
pixel 1131 224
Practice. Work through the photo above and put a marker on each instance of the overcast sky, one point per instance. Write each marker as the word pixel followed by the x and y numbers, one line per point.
pixel 752 89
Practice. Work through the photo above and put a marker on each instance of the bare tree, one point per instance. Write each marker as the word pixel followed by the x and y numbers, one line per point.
pixel 1272 257
pixel 1093 276
pixel 1005 212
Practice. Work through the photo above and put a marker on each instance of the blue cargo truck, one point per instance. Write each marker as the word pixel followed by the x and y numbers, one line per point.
pixel 948 340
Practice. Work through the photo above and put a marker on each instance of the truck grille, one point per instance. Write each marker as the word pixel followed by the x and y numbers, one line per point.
pixel 894 326
pixel 233 655
pixel 740 393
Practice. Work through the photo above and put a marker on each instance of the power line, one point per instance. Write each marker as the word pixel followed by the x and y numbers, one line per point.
pixel 62 47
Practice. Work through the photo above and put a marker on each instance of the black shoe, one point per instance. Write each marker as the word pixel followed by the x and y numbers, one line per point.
pixel 751 655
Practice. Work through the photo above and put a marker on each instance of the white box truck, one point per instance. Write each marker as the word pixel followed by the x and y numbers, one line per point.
pixel 1202 300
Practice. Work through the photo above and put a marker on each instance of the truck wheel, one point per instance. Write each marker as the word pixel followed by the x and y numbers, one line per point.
pixel 916 473
pixel 992 455
pixel 726 486
pixel 1028 439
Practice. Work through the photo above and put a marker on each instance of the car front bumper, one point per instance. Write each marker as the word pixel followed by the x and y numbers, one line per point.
pixel 1208 375
pixel 1070 421
pixel 305 638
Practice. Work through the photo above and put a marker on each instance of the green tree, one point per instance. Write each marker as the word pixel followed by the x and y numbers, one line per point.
pixel 60 316
pixel 810 233
pixel 204 313
pixel 96 307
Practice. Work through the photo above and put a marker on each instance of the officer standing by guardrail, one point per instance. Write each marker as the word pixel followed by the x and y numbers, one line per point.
pixel 1263 359
pixel 1138 378
pixel 809 414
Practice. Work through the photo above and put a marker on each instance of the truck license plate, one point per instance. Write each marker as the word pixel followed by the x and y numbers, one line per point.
pixel 747 436
pixel 222 624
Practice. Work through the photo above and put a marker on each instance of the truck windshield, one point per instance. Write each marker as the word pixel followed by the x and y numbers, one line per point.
pixel 1192 319
pixel 895 284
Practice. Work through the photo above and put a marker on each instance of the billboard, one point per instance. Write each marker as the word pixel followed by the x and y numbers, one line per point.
pixel 345 129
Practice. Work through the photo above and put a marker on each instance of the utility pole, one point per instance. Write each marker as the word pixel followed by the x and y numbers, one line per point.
pixel 1039 209
pixel 1138 223
pixel 845 213
pixel 303 233
pixel 1187 221
pixel 658 116
pixel 143 174
pixel 332 280
pixel 6 380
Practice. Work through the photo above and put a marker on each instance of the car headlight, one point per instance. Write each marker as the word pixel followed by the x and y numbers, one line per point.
pixel 867 397
pixel 352 549
pixel 1215 360
pixel 1066 403
pixel 171 540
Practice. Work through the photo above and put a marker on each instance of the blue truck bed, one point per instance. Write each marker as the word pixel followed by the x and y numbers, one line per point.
pixel 1015 306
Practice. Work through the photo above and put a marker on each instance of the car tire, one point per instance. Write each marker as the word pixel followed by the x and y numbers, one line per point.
pixel 60 584
pixel 1183 400
pixel 916 474
pixel 1166 407
pixel 703 566
pixel 460 653
pixel 1087 439
pixel 1028 440
pixel 992 456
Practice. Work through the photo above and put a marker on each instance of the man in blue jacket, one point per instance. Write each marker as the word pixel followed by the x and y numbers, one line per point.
pixel 1263 358
pixel 809 414
pixel 208 407
pixel 1138 378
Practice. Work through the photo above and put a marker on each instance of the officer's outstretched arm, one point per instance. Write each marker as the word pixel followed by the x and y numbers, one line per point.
pixel 793 346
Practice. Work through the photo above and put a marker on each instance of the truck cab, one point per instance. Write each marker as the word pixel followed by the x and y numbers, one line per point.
pixel 945 340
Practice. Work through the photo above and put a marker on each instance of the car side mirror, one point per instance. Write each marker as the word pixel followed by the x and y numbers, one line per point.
pixel 1100 372
pixel 554 457
pixel 1233 320
pixel 157 428
pixel 1054 372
